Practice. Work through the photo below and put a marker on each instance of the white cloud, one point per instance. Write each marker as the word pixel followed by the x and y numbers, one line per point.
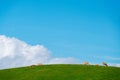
pixel 69 60
pixel 14 53
pixel 111 58
pixel 114 64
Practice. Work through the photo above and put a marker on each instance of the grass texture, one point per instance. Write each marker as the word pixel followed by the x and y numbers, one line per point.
pixel 61 72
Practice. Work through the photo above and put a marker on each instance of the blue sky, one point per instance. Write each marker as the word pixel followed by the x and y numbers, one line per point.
pixel 88 30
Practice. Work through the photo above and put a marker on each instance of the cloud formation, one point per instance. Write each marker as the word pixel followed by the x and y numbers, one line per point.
pixel 15 53
pixel 63 61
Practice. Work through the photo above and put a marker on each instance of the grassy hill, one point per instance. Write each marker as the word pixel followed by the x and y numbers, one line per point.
pixel 61 72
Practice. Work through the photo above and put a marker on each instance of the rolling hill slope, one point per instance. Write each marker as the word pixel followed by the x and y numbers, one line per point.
pixel 61 72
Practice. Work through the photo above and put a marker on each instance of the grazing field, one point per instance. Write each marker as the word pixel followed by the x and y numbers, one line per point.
pixel 61 72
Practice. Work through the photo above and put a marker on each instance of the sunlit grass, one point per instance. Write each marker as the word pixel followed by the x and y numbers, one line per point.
pixel 61 72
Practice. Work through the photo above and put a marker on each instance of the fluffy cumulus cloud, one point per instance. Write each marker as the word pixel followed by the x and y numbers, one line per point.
pixel 15 53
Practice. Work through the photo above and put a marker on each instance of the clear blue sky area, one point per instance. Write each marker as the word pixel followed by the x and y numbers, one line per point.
pixel 88 30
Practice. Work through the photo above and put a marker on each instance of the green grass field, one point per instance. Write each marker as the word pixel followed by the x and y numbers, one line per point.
pixel 61 72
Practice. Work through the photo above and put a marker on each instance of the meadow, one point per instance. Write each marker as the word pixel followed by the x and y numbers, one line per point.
pixel 61 72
